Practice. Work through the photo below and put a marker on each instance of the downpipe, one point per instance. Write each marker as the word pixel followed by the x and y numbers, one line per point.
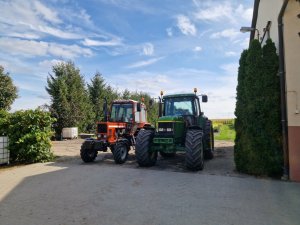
pixel 282 76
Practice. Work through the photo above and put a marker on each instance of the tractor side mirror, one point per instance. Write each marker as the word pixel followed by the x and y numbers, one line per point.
pixel 204 98
pixel 138 107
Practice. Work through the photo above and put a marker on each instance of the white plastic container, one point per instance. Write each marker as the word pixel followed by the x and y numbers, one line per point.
pixel 70 132
pixel 4 152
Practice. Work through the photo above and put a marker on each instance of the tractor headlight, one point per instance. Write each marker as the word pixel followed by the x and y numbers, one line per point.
pixel 161 129
pixel 104 136
pixel 98 135
pixel 169 129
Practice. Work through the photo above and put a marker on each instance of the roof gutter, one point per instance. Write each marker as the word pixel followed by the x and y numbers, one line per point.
pixel 283 91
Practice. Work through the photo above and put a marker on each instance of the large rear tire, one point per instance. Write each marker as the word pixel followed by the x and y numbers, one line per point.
pixel 144 156
pixel 87 152
pixel 194 150
pixel 120 153
pixel 209 140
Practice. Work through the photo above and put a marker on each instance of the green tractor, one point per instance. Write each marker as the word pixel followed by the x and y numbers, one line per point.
pixel 181 127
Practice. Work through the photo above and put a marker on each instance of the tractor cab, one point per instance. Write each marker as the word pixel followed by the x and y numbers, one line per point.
pixel 128 111
pixel 186 106
pixel 125 118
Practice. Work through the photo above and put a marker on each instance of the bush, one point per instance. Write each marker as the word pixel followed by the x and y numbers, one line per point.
pixel 4 123
pixel 29 134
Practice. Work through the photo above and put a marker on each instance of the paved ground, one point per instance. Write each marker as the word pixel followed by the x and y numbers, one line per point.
pixel 221 165
pixel 71 192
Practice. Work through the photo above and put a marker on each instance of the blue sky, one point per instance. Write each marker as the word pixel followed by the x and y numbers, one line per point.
pixel 149 45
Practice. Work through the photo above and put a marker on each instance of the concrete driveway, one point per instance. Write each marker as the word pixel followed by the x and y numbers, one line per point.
pixel 71 192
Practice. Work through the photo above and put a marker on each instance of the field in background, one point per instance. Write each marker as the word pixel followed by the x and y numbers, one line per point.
pixel 224 129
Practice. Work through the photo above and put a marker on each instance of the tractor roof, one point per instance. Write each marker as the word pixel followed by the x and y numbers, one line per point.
pixel 124 101
pixel 180 95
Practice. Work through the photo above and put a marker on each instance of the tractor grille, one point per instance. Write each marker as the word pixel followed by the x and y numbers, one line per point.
pixel 166 128
pixel 102 128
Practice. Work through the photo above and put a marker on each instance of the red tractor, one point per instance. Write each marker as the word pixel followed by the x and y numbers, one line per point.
pixel 117 132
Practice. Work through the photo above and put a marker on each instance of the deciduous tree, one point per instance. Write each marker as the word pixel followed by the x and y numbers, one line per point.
pixel 8 91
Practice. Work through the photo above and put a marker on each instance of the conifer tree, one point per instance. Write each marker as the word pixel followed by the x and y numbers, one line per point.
pixel 70 104
pixel 97 93
pixel 257 144
pixel 240 112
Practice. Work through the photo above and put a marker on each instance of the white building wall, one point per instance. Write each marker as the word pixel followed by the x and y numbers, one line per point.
pixel 268 11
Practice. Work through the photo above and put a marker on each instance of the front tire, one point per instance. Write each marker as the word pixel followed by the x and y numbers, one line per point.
pixel 144 156
pixel 87 152
pixel 194 150
pixel 120 153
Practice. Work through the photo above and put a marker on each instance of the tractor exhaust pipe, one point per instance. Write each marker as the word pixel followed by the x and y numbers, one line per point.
pixel 160 104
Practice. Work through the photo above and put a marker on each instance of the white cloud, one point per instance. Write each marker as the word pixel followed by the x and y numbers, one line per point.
pixel 218 12
pixel 185 25
pixel 230 68
pixel 148 49
pixel 215 12
pixel 33 19
pixel 47 13
pixel 90 42
pixel 228 33
pixel 151 82
pixel 245 43
pixel 24 35
pixel 244 13
pixel 231 53
pixel 198 49
pixel 32 48
pixel 13 65
pixel 59 33
pixel 169 31
pixel 144 63
pixel 48 64
pixel 68 51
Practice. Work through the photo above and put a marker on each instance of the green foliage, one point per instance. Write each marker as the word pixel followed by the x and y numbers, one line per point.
pixel 258 137
pixel 29 136
pixel 225 129
pixel 8 92
pixel 70 103
pixel 4 122
pixel 226 133
pixel 97 93
pixel 126 94
pixel 111 94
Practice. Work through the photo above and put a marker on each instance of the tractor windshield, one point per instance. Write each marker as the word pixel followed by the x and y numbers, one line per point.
pixel 121 113
pixel 179 106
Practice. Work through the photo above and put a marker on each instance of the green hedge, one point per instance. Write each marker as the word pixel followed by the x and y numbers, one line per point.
pixel 29 135
pixel 258 138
